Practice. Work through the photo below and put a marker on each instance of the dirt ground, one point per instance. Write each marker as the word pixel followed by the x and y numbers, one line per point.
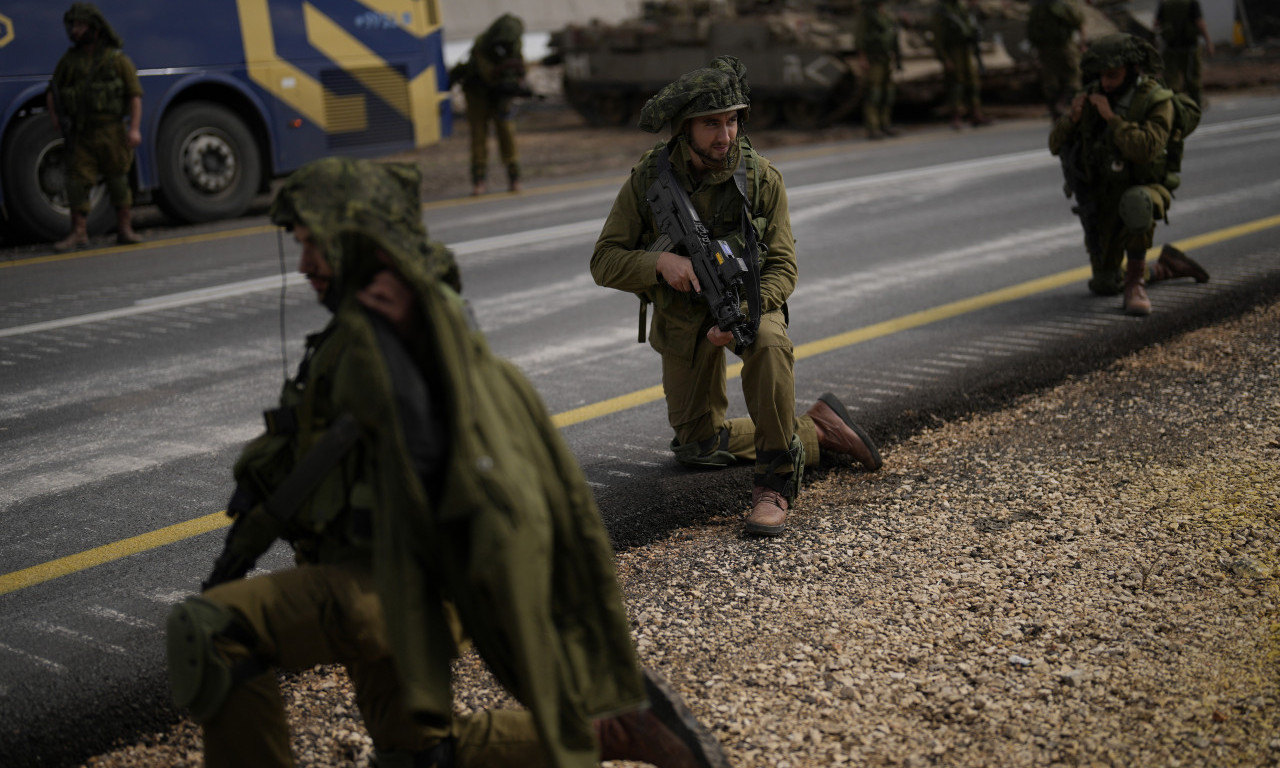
pixel 557 143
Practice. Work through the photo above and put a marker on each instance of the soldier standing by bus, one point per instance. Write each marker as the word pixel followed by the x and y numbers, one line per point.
pixel 94 87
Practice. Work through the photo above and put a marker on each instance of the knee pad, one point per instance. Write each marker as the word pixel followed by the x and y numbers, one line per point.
pixel 1137 210
pixel 199 676
pixel 710 453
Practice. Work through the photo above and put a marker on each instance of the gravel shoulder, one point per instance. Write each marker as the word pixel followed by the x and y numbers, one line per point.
pixel 1086 577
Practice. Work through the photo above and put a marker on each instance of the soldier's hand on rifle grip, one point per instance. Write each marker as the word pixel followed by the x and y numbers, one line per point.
pixel 677 272
pixel 718 337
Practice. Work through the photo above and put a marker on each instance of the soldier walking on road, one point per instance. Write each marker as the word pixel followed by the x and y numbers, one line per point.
pixel 492 78
pixel 956 36
pixel 879 52
pixel 1178 24
pixel 1114 146
pixel 740 197
pixel 430 502
pixel 94 89
pixel 1056 29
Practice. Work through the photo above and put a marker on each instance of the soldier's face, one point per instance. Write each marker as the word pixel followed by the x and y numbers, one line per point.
pixel 78 31
pixel 312 263
pixel 1112 79
pixel 712 136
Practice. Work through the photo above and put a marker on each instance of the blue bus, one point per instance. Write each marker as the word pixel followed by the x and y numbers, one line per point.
pixel 236 92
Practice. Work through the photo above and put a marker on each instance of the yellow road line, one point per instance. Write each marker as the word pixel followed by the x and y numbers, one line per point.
pixel 97 556
pixel 63 566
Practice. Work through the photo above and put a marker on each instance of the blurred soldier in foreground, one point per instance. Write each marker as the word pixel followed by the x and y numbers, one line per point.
pixel 94 88
pixel 1178 24
pixel 876 36
pixel 491 78
pixel 1116 144
pixel 1056 29
pixel 430 502
pixel 956 36
pixel 738 204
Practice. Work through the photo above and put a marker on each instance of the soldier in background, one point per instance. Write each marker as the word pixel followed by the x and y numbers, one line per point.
pixel 94 88
pixel 1178 25
pixel 742 199
pixel 1115 135
pixel 430 502
pixel 876 38
pixel 1056 29
pixel 492 78
pixel 956 35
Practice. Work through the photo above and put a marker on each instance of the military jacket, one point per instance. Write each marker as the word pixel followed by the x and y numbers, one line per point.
pixel 95 86
pixel 954 26
pixel 876 33
pixel 622 260
pixel 1126 150
pixel 1051 23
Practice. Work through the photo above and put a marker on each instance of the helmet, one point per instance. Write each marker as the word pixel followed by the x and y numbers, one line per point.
pixel 1119 50
pixel 93 18
pixel 710 90
pixel 347 204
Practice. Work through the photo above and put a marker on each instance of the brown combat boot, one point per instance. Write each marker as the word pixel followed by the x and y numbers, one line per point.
pixel 79 237
pixel 838 433
pixel 1174 263
pixel 124 228
pixel 666 734
pixel 1135 296
pixel 768 512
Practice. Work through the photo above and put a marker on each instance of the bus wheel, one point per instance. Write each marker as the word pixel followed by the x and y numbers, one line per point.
pixel 208 163
pixel 35 173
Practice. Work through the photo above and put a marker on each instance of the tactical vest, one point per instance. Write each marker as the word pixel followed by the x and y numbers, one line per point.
pixel 1103 160
pixel 1177 27
pixel 99 92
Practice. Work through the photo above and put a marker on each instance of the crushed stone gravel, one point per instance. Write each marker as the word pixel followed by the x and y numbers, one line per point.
pixel 1086 577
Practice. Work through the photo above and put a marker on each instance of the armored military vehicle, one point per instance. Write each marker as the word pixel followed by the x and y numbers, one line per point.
pixel 800 57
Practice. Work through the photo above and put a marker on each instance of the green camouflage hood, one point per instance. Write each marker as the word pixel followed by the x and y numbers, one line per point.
pixel 718 87
pixel 346 203
pixel 503 35
pixel 90 15
pixel 1119 50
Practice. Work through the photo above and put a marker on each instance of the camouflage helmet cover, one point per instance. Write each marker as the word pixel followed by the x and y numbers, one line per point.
pixel 718 87
pixel 347 203
pixel 1119 50
pixel 91 16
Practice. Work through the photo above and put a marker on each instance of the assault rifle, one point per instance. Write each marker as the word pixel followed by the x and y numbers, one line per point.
pixel 723 276
pixel 1076 184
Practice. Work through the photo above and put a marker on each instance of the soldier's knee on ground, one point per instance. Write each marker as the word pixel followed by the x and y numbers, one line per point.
pixel 200 676
pixel 712 453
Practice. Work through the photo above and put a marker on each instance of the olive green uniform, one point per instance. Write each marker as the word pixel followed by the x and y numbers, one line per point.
pixel 1051 27
pixel 876 37
pixel 955 34
pixel 1123 159
pixel 492 77
pixel 458 511
pixel 693 369
pixel 1176 21
pixel 94 86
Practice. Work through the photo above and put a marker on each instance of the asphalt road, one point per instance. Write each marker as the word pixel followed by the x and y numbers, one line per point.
pixel 939 273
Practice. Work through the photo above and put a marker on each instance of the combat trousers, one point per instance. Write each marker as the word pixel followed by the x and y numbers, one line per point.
pixel 961 81
pixel 1182 68
pixel 1059 75
pixel 1126 224
pixel 481 111
pixel 877 102
pixel 698 399
pixel 327 614
pixel 102 149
